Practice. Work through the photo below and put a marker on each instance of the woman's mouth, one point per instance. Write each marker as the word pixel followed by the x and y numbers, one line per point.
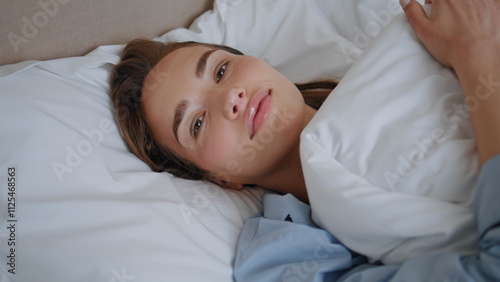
pixel 259 107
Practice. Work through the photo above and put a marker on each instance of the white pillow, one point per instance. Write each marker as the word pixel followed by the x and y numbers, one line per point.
pixel 294 36
pixel 390 160
pixel 89 210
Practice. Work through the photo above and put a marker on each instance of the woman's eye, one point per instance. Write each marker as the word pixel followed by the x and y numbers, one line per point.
pixel 220 72
pixel 197 125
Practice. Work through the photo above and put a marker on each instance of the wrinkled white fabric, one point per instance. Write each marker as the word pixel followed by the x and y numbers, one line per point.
pixel 390 160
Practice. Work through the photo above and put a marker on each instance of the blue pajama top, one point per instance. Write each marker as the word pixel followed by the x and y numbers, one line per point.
pixel 283 244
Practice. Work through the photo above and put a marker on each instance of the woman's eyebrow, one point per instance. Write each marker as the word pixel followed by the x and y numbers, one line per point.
pixel 180 111
pixel 202 62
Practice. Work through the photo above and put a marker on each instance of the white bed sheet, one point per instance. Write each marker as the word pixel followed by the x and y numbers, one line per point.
pixel 390 160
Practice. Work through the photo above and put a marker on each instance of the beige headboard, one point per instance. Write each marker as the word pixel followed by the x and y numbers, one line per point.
pixel 48 29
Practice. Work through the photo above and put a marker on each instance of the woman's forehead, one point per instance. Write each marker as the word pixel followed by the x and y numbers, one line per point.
pixel 165 84
pixel 178 58
pixel 182 56
pixel 173 66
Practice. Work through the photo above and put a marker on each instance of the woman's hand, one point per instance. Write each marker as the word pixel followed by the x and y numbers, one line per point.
pixel 465 35
pixel 457 30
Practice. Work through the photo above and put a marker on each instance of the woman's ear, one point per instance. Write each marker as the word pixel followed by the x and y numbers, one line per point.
pixel 224 184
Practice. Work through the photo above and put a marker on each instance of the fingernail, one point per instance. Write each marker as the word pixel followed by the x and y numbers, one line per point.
pixel 403 3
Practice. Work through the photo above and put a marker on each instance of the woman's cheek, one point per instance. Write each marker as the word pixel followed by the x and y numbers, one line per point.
pixel 251 67
pixel 220 152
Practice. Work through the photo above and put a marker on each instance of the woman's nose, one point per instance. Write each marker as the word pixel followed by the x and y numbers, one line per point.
pixel 235 101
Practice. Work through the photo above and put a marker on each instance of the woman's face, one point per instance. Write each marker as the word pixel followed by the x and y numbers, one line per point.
pixel 234 116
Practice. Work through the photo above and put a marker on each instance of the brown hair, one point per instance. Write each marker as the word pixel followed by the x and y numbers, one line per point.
pixel 127 83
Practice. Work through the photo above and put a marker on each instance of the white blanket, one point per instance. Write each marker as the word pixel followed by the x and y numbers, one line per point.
pixel 389 160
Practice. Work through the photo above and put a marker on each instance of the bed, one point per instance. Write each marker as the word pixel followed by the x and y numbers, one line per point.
pixel 76 204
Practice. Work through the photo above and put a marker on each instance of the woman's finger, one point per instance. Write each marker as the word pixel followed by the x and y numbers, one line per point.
pixel 416 16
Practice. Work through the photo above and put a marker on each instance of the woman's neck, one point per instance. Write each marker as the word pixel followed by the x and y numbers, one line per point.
pixel 289 178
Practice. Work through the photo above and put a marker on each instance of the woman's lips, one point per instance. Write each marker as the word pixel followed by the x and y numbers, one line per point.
pixel 259 107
